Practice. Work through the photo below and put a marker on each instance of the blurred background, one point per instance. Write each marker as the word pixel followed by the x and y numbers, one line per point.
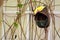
pixel 17 20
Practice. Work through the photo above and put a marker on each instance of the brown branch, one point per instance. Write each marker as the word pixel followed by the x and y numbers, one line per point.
pixel 31 4
pixel 17 18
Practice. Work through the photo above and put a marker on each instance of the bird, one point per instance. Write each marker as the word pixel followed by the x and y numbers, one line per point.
pixel 40 18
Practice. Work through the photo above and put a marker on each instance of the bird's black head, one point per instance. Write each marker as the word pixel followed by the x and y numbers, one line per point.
pixel 41 20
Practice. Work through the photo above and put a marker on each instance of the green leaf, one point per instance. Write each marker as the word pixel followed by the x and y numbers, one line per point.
pixel 18 13
pixel 20 5
pixel 0 20
pixel 33 0
pixel 16 24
